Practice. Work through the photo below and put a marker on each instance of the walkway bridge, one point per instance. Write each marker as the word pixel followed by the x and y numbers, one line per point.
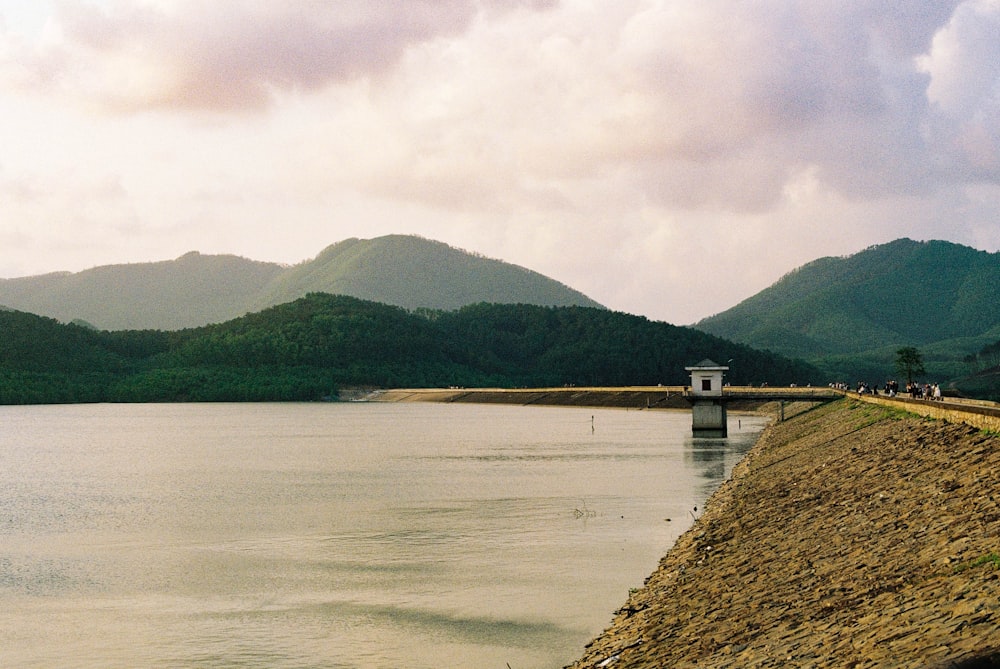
pixel 649 397
pixel 981 414
pixel 984 415
pixel 792 394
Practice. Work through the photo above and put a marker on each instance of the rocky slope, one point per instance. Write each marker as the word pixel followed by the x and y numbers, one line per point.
pixel 851 536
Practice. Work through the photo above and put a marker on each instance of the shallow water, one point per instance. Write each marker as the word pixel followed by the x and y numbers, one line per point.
pixel 335 535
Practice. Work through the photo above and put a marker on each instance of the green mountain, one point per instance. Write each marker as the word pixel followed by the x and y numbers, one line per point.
pixel 196 289
pixel 310 348
pixel 43 361
pixel 850 314
pixel 192 290
pixel 413 272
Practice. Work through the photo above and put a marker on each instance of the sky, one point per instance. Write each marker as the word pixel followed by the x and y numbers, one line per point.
pixel 668 158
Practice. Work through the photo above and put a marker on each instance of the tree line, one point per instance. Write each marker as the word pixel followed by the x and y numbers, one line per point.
pixel 988 357
pixel 313 347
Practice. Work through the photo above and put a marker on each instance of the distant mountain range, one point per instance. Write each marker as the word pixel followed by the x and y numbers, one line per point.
pixel 850 314
pixel 846 316
pixel 196 289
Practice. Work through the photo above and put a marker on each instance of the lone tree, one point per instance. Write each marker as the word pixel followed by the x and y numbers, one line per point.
pixel 910 362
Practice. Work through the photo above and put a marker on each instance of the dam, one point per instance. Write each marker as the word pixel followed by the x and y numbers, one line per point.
pixel 862 533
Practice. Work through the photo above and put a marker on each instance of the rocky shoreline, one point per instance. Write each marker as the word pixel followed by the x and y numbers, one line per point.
pixel 852 535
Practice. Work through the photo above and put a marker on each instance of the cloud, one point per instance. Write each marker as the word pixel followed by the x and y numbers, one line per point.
pixel 964 69
pixel 757 92
pixel 232 54
pixel 707 104
pixel 610 144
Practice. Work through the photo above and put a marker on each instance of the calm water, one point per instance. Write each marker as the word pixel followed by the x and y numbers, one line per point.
pixel 335 535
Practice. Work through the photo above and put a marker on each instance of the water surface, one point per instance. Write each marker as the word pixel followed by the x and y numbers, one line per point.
pixel 335 535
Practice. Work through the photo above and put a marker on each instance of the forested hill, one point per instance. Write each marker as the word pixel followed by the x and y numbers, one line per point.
pixel 938 296
pixel 413 272
pixel 197 289
pixel 310 348
pixel 192 290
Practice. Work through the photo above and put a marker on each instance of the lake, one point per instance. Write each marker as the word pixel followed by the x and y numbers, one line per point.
pixel 336 535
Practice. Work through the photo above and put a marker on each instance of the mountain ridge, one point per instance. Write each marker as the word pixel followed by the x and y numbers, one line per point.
pixel 933 294
pixel 440 277
pixel 196 289
pixel 169 294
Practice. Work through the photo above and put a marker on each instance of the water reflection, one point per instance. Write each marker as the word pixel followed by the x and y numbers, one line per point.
pixel 714 457
pixel 334 535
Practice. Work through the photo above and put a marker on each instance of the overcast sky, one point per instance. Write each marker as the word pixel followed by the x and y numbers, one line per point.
pixel 667 158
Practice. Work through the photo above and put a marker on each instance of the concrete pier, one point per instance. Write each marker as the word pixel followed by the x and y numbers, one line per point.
pixel 708 404
pixel 708 418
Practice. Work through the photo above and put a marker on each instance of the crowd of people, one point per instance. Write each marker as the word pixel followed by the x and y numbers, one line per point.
pixel 928 391
pixel 917 391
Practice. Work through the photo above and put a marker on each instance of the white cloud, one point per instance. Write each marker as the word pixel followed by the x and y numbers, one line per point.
pixel 133 55
pixel 964 67
pixel 607 144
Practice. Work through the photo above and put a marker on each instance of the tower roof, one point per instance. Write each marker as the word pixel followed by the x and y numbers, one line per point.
pixel 707 364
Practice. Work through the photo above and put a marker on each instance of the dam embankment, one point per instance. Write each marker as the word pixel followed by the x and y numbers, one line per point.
pixel 631 397
pixel 659 397
pixel 854 534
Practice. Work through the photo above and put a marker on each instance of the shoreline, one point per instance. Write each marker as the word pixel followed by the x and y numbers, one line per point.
pixel 858 533
pixel 660 397
pixel 627 397
pixel 852 535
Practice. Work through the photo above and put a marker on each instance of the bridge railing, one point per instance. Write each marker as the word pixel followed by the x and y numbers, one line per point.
pixel 983 415
pixel 792 393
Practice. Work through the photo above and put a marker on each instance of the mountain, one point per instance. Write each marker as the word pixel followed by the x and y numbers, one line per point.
pixel 413 272
pixel 197 289
pixel 192 290
pixel 310 348
pixel 850 313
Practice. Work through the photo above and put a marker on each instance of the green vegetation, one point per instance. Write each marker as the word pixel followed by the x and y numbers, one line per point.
pixel 310 348
pixel 991 559
pixel 196 289
pixel 849 316
pixel 987 358
pixel 412 272
pixel 192 290
pixel 910 363
pixel 983 381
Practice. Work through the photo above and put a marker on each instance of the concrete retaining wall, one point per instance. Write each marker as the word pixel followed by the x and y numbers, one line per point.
pixel 982 417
